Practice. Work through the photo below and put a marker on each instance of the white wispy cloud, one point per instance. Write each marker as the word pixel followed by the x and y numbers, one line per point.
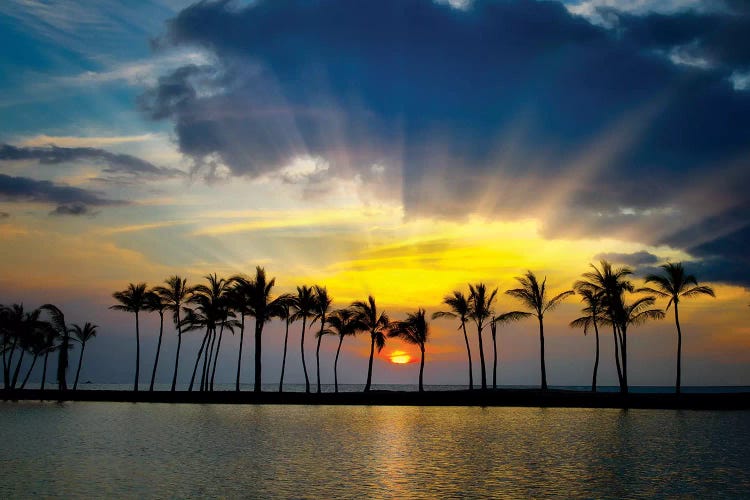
pixel 76 142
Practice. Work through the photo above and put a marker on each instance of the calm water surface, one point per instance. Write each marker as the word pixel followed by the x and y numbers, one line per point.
pixel 173 450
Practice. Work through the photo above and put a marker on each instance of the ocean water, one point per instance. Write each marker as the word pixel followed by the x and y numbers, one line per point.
pixel 268 451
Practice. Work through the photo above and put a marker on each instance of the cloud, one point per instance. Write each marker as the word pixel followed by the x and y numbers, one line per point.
pixel 24 189
pixel 71 141
pixel 630 259
pixel 116 163
pixel 505 109
pixel 73 209
pixel 4 215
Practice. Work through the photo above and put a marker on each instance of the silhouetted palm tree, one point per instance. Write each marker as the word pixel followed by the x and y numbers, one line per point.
pixel 155 303
pixel 501 318
pixel 533 295
pixel 50 336
pixel 57 322
pixel 675 284
pixel 175 295
pixel 83 334
pixel 263 308
pixel 286 305
pixel 210 301
pixel 376 324
pixel 342 322
pixel 239 297
pixel 593 316
pixel 133 300
pixel 414 330
pixel 480 310
pixel 304 306
pixel 35 345
pixel 322 304
pixel 612 283
pixel 459 308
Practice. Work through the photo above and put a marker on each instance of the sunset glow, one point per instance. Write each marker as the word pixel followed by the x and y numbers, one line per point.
pixel 400 358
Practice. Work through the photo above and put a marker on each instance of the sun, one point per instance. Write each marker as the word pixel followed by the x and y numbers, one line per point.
pixel 400 358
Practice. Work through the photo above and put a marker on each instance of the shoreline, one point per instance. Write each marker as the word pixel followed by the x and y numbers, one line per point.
pixel 489 398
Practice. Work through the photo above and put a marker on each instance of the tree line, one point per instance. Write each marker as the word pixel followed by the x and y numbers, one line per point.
pixel 220 305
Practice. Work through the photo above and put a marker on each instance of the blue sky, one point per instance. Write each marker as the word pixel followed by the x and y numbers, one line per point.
pixel 172 137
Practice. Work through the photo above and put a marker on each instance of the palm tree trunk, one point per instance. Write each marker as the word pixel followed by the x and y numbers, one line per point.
pixel 468 353
pixel 596 359
pixel 10 363
pixel 283 359
pixel 239 357
pixel 336 366
pixel 177 357
pixel 137 352
pixel 207 359
pixel 494 352
pixel 317 358
pixel 158 349
pixel 17 370
pixel 62 364
pixel 677 385
pixel 258 361
pixel 6 369
pixel 216 356
pixel 369 366
pixel 80 362
pixel 617 356
pixel 302 347
pixel 44 371
pixel 541 352
pixel 28 373
pixel 421 369
pixel 198 360
pixel 481 357
pixel 624 355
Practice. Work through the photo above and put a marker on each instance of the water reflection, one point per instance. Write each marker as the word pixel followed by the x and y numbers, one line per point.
pixel 111 449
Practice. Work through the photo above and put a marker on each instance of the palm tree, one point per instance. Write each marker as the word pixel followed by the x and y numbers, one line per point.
pixel 175 295
pixel 50 336
pixel 533 295
pixel 239 297
pixel 83 335
pixel 133 300
pixel 322 304
pixel 35 345
pixel 155 303
pixel 304 306
pixel 501 318
pixel 263 308
pixel 675 284
pixel 459 308
pixel 376 324
pixel 593 316
pixel 480 309
pixel 210 301
pixel 612 283
pixel 286 304
pixel 414 330
pixel 342 322
pixel 57 322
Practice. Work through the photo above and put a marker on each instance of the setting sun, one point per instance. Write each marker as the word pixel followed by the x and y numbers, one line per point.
pixel 400 358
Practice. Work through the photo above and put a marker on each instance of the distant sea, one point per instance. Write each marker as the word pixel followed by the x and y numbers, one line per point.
pixel 132 450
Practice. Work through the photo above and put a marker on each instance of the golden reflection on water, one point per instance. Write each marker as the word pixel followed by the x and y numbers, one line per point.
pixel 155 450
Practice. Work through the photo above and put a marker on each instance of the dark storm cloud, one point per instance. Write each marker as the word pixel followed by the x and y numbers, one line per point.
pixel 116 163
pixel 23 189
pixel 497 102
pixel 630 259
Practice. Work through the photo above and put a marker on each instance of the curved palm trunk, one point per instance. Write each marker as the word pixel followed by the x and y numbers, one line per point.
pixel 6 365
pixel 596 359
pixel 302 347
pixel 421 368
pixel 198 360
pixel 158 350
pixel 28 373
pixel 239 357
pixel 677 385
pixel 44 371
pixel 137 352
pixel 207 355
pixel 494 353
pixel 10 363
pixel 617 356
pixel 283 359
pixel 624 355
pixel 177 357
pixel 541 352
pixel 17 370
pixel 216 356
pixel 80 362
pixel 481 357
pixel 317 360
pixel 369 366
pixel 468 353
pixel 258 368
pixel 62 364
pixel 336 366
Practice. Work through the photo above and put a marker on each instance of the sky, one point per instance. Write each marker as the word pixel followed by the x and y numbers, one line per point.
pixel 399 148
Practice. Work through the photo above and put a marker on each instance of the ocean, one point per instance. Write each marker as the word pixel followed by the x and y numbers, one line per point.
pixel 127 450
